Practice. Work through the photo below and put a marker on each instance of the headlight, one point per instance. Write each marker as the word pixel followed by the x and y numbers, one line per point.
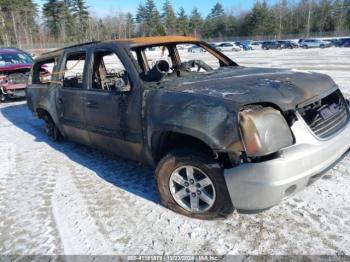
pixel 264 131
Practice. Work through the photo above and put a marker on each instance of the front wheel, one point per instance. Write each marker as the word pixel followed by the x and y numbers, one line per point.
pixel 193 184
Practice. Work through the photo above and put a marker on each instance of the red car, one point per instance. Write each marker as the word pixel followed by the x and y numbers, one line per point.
pixel 15 66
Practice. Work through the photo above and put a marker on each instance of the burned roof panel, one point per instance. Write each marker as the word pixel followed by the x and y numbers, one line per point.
pixel 157 40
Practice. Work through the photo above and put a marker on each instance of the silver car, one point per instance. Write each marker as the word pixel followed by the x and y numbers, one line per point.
pixel 314 43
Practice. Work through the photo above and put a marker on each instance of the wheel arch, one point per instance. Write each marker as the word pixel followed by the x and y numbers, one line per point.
pixel 162 142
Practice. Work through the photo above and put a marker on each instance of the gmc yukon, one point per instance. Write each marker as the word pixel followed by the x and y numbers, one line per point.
pixel 220 136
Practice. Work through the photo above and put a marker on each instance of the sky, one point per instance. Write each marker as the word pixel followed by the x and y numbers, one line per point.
pixel 106 7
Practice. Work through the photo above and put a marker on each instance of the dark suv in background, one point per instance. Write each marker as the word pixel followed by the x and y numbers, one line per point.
pixel 271 45
pixel 286 44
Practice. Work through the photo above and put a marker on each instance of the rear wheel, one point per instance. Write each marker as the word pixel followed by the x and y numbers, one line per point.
pixel 51 129
pixel 2 97
pixel 193 184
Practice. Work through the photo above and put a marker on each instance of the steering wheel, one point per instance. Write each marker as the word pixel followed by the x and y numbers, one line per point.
pixel 193 63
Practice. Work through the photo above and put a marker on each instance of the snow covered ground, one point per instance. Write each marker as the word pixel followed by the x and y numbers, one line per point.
pixel 63 198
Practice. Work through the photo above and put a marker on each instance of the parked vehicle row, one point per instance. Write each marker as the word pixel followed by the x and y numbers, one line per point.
pixel 248 45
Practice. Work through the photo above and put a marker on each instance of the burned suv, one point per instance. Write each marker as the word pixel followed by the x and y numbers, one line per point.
pixel 221 136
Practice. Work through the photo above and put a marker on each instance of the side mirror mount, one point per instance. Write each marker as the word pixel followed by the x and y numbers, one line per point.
pixel 122 84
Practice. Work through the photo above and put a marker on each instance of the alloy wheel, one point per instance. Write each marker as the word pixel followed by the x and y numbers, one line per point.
pixel 192 189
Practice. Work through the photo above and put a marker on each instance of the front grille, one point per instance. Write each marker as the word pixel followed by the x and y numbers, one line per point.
pixel 326 116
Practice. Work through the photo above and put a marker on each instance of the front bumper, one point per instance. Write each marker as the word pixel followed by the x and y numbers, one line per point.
pixel 258 186
pixel 14 93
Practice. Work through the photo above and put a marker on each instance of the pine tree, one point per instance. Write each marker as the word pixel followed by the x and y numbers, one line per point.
pixel 169 18
pixel 217 24
pixel 260 20
pixel 67 22
pixel 130 25
pixel 182 23
pixel 81 16
pixel 52 12
pixel 217 11
pixel 195 23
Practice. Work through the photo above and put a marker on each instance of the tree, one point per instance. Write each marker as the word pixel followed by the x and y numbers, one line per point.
pixel 81 16
pixel 260 21
pixel 182 23
pixel 52 12
pixel 217 11
pixel 141 20
pixel 130 25
pixel 216 21
pixel 67 22
pixel 195 23
pixel 149 19
pixel 169 18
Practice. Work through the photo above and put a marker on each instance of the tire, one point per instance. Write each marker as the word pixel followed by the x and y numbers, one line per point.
pixel 219 49
pixel 178 161
pixel 322 46
pixel 2 97
pixel 51 129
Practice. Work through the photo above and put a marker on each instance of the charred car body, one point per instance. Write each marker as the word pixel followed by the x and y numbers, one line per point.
pixel 221 136
pixel 15 66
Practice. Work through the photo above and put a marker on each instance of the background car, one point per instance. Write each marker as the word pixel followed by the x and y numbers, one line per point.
pixel 271 45
pixel 314 43
pixel 246 45
pixel 196 49
pixel 228 47
pixel 15 66
pixel 344 42
pixel 287 44
pixel 256 45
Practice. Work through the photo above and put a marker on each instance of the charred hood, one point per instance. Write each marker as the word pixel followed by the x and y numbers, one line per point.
pixel 283 87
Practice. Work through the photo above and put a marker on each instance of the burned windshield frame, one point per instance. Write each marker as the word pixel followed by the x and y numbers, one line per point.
pixel 141 57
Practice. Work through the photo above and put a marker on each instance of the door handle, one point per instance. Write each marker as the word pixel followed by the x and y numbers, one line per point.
pixel 60 101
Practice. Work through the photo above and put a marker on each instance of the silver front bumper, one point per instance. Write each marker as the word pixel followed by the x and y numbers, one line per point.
pixel 256 186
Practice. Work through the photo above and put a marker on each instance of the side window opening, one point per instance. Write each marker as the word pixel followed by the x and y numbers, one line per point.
pixel 108 72
pixel 74 70
pixel 43 71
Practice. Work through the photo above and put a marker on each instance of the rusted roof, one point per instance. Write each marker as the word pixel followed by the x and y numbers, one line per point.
pixel 158 40
pixel 138 41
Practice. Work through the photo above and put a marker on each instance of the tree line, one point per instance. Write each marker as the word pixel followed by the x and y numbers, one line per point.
pixel 71 21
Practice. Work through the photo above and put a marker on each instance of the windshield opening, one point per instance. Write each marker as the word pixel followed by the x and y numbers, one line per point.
pixel 15 58
pixel 161 62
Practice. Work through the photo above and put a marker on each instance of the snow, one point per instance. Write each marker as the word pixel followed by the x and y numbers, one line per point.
pixel 64 198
